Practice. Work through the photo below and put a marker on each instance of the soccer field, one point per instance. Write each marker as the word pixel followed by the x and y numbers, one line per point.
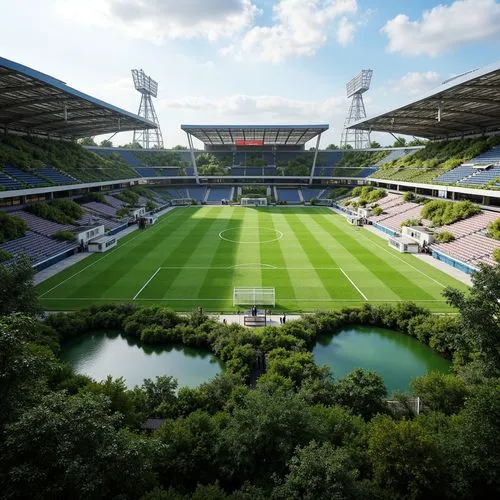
pixel 195 257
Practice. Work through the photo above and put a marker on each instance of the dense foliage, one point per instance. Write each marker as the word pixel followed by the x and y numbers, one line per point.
pixel 368 194
pixel 435 159
pixel 68 157
pixel 128 196
pixel 444 237
pixel 159 158
pixel 377 210
pixel 441 212
pixel 60 211
pixel 496 255
pixel 360 159
pixel 11 227
pixel 298 434
pixel 64 236
pixel 494 229
pixel 4 255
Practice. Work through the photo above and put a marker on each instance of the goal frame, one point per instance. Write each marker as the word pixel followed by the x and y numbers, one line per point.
pixel 253 202
pixel 257 296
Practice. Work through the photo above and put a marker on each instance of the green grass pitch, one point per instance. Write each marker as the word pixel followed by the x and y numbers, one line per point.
pixel 196 256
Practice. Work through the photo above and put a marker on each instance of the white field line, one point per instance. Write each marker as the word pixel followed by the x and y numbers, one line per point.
pixel 147 283
pixel 264 267
pixel 402 260
pixel 353 284
pixel 99 260
pixel 227 298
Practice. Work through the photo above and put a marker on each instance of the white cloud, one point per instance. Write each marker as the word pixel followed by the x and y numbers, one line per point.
pixel 266 107
pixel 415 83
pixel 345 32
pixel 300 29
pixel 444 27
pixel 157 20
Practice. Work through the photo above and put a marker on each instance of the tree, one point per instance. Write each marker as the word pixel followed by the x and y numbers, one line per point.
pixel 17 293
pixel 363 392
pixel 479 311
pixel 320 472
pixel 375 144
pixel 180 148
pixel 332 146
pixel 440 392
pixel 400 142
pixel 25 366
pixel 160 394
pixel 87 141
pixel 69 447
pixel 404 458
pixel 106 143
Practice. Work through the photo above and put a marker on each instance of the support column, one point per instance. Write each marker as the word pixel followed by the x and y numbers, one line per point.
pixel 193 158
pixel 315 158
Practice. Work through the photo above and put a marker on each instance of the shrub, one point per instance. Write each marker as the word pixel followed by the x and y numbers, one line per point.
pixel 64 236
pixel 494 229
pixel 69 207
pixel 408 196
pixel 123 212
pixel 377 211
pixel 97 197
pixel 11 227
pixel 441 212
pixel 60 211
pixel 496 255
pixel 4 255
pixel 444 237
pixel 411 222
pixel 127 196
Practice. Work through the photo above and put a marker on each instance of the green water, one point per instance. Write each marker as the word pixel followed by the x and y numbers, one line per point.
pixel 396 357
pixel 101 354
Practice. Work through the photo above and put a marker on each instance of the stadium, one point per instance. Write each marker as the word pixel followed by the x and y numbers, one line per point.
pixel 252 315
pixel 312 246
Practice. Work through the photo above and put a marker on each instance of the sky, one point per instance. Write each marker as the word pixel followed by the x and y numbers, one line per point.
pixel 251 61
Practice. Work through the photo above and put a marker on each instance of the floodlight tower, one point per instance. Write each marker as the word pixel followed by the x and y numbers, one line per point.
pixel 147 87
pixel 358 139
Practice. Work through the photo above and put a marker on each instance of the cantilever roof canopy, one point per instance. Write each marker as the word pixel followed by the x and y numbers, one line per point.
pixel 464 105
pixel 34 102
pixel 254 135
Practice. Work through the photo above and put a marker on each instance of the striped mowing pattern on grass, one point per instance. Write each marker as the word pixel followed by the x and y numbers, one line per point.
pixel 196 256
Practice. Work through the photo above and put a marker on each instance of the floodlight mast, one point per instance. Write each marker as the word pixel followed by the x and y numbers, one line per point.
pixel 357 139
pixel 147 87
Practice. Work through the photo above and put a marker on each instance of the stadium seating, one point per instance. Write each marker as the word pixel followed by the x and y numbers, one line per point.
pixel 197 192
pixel 270 170
pixel 42 226
pixel 91 219
pixel 490 157
pixel 168 171
pixel 253 171
pixel 7 183
pixel 289 195
pixel 366 172
pixel 101 208
pixel 36 246
pixel 482 177
pixel 328 158
pixel 323 171
pixel 471 225
pixel 309 193
pixel 455 175
pixel 113 202
pixel 147 172
pixel 24 176
pixel 189 171
pixel 238 170
pixel 126 155
pixel 55 176
pixel 217 194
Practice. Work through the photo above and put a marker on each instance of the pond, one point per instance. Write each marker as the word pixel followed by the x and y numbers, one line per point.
pixel 101 354
pixel 398 358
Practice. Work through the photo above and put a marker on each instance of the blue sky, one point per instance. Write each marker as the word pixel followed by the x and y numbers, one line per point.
pixel 252 61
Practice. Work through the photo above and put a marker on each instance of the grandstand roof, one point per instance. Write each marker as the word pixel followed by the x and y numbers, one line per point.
pixel 34 102
pixel 470 104
pixel 254 135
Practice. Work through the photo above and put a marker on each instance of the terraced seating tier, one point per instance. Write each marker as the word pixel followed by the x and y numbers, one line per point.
pixel 482 177
pixel 42 226
pixel 455 175
pixel 309 193
pixel 36 246
pixel 219 194
pixel 147 172
pixel 197 192
pixel 24 176
pixel 56 177
pixel 101 208
pixel 289 195
pixel 8 184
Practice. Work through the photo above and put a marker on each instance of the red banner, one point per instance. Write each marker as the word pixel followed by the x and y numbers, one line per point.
pixel 249 142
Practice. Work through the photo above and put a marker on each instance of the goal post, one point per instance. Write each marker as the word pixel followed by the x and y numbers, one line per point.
pixel 253 202
pixel 254 297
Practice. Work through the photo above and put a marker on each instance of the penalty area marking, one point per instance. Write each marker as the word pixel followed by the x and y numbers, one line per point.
pixel 353 284
pixel 279 233
pixel 147 283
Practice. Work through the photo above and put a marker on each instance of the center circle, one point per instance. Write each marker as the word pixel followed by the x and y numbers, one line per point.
pixel 250 234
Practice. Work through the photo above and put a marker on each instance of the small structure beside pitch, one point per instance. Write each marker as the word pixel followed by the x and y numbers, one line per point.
pixel 254 202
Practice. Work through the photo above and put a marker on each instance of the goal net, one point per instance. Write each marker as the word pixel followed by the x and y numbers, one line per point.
pixel 254 297
pixel 253 202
